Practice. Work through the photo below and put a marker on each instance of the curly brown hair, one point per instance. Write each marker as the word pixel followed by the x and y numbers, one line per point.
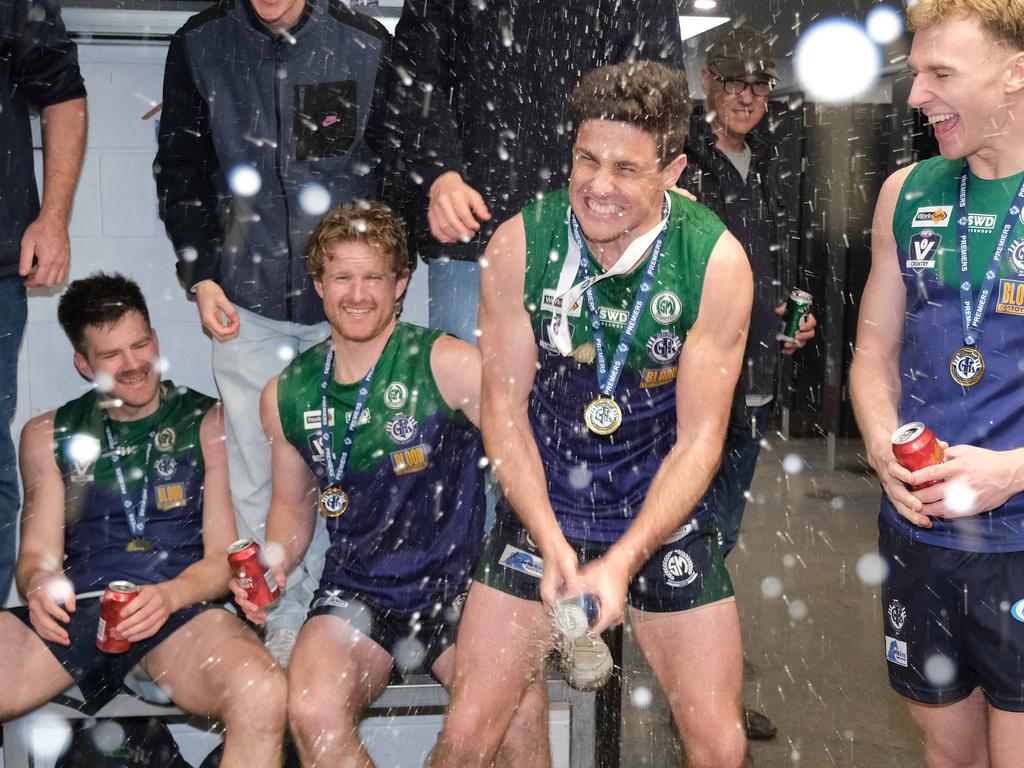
pixel 651 96
pixel 362 221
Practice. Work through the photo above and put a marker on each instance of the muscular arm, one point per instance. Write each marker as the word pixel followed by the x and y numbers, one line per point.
pixel 874 375
pixel 509 354
pixel 456 368
pixel 709 366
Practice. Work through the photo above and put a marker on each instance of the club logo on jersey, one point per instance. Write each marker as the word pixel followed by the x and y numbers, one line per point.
pixel 613 317
pixel 658 377
pixel 170 496
pixel 897 613
pixel 547 333
pixel 396 395
pixel 666 307
pixel 923 247
pixel 316 448
pixel 981 223
pixel 311 419
pixel 522 561
pixel 165 466
pixel 551 301
pixel 330 599
pixel 678 569
pixel 932 216
pixel 409 460
pixel 401 428
pixel 663 347
pixel 165 439
pixel 1015 255
pixel 82 472
pixel 895 651
pixel 1010 295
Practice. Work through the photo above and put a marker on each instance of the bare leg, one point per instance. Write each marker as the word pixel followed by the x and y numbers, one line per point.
pixel 955 735
pixel 336 671
pixel 215 665
pixel 502 643
pixel 1005 738
pixel 697 657
pixel 29 674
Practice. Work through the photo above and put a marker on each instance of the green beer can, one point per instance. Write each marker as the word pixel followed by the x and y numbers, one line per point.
pixel 798 307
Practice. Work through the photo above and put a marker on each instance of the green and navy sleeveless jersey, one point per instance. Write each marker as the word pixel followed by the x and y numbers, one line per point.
pixel 597 484
pixel 989 414
pixel 413 530
pixel 96 530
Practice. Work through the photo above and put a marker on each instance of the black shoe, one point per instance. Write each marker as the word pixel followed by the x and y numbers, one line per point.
pixel 758 726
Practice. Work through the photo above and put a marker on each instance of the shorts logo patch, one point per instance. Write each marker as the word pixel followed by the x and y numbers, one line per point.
pixel 330 599
pixel 679 533
pixel 895 651
pixel 666 307
pixel 678 569
pixel 402 428
pixel 170 496
pixel 663 347
pixel 311 419
pixel 459 603
pixel 923 247
pixel 897 613
pixel 612 316
pixel 522 561
pixel 165 467
pixel 1015 255
pixel 396 395
pixel 1017 611
pixel 409 460
pixel 658 377
pixel 932 216
pixel 550 301
pixel 1011 297
pixel 165 439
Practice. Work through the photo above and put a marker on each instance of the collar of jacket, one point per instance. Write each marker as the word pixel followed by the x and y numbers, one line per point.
pixel 259 26
pixel 701 143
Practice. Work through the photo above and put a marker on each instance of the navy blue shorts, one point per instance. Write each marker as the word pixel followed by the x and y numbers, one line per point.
pixel 100 675
pixel 414 640
pixel 953 621
pixel 686 572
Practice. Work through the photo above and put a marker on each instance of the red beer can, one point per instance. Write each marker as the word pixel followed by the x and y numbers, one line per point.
pixel 916 447
pixel 117 596
pixel 253 574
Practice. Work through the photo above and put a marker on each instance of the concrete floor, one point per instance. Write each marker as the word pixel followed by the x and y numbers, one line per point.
pixel 817 646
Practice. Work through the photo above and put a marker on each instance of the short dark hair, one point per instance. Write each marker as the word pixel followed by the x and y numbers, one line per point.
pixel 99 300
pixel 651 96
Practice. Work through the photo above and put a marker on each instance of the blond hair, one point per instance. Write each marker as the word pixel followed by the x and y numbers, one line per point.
pixel 1002 19
pixel 370 223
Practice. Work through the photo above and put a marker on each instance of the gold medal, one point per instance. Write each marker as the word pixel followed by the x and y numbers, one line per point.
pixel 333 502
pixel 139 544
pixel 967 366
pixel 602 415
pixel 585 353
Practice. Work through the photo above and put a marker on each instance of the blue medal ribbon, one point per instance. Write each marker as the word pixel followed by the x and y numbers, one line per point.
pixel 608 376
pixel 334 473
pixel 136 516
pixel 973 315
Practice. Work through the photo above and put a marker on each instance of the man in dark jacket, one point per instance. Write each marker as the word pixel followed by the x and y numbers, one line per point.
pixel 485 122
pixel 273 113
pixel 38 71
pixel 734 170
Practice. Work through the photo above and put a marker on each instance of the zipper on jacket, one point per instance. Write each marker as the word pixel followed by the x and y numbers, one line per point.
pixel 289 288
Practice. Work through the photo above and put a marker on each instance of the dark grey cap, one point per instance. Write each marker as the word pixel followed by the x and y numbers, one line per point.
pixel 741 51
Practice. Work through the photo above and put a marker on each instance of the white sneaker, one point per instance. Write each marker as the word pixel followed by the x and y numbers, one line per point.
pixel 280 641
pixel 586 662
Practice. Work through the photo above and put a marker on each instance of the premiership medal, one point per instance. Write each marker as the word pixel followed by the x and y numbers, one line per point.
pixel 585 353
pixel 602 416
pixel 333 502
pixel 139 544
pixel 967 366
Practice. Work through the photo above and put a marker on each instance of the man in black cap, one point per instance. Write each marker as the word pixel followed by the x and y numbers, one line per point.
pixel 734 170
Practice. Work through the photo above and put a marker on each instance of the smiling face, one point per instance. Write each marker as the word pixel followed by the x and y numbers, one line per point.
pixel 735 114
pixel 360 292
pixel 617 183
pixel 964 86
pixel 278 14
pixel 121 359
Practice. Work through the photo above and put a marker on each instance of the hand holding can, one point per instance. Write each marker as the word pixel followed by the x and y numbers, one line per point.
pixel 798 307
pixel 113 602
pixel 916 447
pixel 575 615
pixel 252 572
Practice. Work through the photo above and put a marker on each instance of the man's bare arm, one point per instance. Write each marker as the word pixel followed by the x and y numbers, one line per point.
pixel 509 354
pixel 456 368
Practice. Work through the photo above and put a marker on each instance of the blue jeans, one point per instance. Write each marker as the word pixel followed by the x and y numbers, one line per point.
pixel 739 460
pixel 454 296
pixel 13 307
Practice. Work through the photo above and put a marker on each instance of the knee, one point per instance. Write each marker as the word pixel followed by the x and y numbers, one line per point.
pixel 256 703
pixel 725 749
pixel 469 738
pixel 526 740
pixel 321 716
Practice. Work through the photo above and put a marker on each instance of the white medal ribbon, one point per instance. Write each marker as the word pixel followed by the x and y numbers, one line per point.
pixel 568 295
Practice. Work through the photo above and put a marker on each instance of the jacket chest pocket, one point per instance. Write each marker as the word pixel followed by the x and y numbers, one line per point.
pixel 325 119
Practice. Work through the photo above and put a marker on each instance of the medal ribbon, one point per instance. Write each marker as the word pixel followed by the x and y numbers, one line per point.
pixel 334 473
pixel 973 318
pixel 608 377
pixel 136 517
pixel 569 294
